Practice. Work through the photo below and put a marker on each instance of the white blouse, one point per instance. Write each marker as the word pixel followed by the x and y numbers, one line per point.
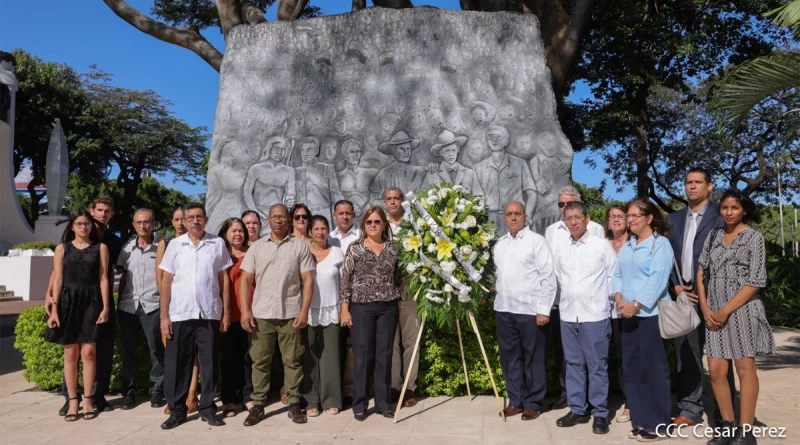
pixel 325 302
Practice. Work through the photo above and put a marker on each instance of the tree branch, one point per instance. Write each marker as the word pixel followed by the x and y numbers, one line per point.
pixel 394 4
pixel 252 14
pixel 298 9
pixel 652 192
pixel 230 15
pixel 185 38
pixel 359 5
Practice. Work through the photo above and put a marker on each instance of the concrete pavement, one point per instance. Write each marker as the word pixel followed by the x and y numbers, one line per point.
pixel 29 417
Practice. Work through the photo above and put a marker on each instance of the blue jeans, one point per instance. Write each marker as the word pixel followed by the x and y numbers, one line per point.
pixel 586 353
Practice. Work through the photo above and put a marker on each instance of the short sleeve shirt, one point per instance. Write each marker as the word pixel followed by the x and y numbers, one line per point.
pixel 277 267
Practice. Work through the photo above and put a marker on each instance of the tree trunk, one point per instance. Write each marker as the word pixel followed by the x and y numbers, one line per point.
pixel 359 5
pixel 394 4
pixel 639 109
pixel 230 15
pixel 500 5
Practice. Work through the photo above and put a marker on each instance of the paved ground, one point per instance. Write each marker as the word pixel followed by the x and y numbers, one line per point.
pixel 29 417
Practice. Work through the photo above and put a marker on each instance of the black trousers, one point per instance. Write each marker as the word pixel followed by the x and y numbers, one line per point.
pixel 131 327
pixel 554 343
pixel 179 358
pixel 523 357
pixel 374 326
pixel 616 336
pixel 104 359
pixel 237 366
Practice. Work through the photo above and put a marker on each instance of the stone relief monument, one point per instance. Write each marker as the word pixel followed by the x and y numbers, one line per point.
pixel 345 106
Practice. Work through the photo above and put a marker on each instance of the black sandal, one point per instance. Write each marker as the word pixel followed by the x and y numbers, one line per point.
pixel 72 417
pixel 89 415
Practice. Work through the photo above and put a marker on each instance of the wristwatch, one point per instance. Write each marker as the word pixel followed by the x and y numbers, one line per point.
pixel 637 305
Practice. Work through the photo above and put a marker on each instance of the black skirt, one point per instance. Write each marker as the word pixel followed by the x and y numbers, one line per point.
pixel 78 310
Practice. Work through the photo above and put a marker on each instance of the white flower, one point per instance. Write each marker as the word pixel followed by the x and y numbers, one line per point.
pixel 449 266
pixel 412 267
pixel 448 288
pixel 470 221
pixel 444 192
pixel 458 188
pixel 421 223
pixel 432 248
pixel 466 250
pixel 431 201
pixel 486 255
pixel 473 256
pixel 423 279
pixel 460 207
pixel 464 298
pixel 434 299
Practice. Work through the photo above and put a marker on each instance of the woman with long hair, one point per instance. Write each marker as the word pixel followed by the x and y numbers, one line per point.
pixel 179 226
pixel 322 382
pixel 300 215
pixel 616 229
pixel 369 293
pixel 734 263
pixel 641 278
pixel 81 304
pixel 237 382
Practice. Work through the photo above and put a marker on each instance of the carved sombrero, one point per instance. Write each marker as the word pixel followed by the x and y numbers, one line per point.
pixel 445 138
pixel 401 137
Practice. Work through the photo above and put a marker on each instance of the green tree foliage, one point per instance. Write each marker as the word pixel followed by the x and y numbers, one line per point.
pixel 25 204
pixel 770 228
pixel 636 47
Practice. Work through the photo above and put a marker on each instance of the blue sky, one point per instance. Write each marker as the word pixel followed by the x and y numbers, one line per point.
pixel 90 34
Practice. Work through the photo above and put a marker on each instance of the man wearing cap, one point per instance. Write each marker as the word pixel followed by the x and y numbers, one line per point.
pixel 400 173
pixel 316 183
pixel 447 146
pixel 504 178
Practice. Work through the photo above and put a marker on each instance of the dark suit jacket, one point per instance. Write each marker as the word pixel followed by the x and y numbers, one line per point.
pixel 677 222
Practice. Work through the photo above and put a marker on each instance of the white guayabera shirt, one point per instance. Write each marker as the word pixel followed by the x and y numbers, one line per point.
pixel 526 279
pixel 336 238
pixel 585 271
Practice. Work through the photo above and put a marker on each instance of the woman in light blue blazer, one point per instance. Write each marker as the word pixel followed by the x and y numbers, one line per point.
pixel 640 281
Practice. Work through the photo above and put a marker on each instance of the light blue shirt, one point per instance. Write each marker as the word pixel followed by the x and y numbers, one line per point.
pixel 642 272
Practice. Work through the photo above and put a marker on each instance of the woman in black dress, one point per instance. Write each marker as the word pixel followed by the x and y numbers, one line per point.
pixel 80 286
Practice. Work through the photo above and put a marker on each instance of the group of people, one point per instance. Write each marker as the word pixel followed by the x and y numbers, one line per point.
pixel 312 290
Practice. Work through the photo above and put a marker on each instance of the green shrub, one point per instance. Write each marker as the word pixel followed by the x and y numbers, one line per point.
pixel 44 362
pixel 782 295
pixel 36 245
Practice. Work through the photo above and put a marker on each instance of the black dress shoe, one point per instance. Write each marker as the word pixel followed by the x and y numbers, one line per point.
pixel 212 420
pixel 572 419
pixel 157 400
pixel 297 414
pixel 129 402
pixel 172 422
pixel 725 433
pixel 360 416
pixel 600 425
pixel 102 405
pixel 254 415
pixel 388 414
pixel 742 438
pixel 560 403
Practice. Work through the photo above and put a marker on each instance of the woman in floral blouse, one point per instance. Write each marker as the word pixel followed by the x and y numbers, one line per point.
pixel 368 292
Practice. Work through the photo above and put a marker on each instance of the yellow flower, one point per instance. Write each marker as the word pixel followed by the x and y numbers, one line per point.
pixel 448 217
pixel 412 242
pixel 444 249
pixel 484 237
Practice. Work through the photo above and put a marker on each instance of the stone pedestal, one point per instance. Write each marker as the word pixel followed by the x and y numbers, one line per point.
pixel 47 230
pixel 27 276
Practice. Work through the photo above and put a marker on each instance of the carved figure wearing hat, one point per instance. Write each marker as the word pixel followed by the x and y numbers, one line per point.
pixel 447 147
pixel 401 173
pixel 270 181
pixel 504 178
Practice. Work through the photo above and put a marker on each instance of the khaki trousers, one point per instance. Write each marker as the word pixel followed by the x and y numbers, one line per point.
pixel 406 335
pixel 263 349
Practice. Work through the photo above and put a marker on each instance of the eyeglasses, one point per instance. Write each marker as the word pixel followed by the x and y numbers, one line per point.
pixel 561 205
pixel 575 218
pixel 299 217
pixel 142 223
pixel 279 218
pixel 83 224
pixel 616 217
pixel 633 216
pixel 373 222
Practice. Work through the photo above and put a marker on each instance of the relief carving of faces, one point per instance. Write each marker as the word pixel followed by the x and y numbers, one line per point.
pixel 341 125
pixel 450 153
pixel 331 149
pixel 525 144
pixel 297 120
pixel 315 118
pixel 278 117
pixel 402 152
pixel 479 115
pixel 548 143
pixel 329 116
pixel 277 151
pixel 497 139
pixel 436 119
pixel 309 151
pixel 352 151
pixel 507 112
pixel 358 123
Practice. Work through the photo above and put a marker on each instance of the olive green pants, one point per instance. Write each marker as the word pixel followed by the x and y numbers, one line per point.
pixel 263 349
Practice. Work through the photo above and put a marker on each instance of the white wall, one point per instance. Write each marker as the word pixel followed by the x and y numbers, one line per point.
pixel 27 276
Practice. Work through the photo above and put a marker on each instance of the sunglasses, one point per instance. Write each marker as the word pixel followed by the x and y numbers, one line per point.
pixel 373 222
pixel 561 205
pixel 299 217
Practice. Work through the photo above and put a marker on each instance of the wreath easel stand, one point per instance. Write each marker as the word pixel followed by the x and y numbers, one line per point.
pixel 463 363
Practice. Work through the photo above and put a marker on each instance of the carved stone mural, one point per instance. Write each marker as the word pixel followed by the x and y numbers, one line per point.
pixel 346 106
